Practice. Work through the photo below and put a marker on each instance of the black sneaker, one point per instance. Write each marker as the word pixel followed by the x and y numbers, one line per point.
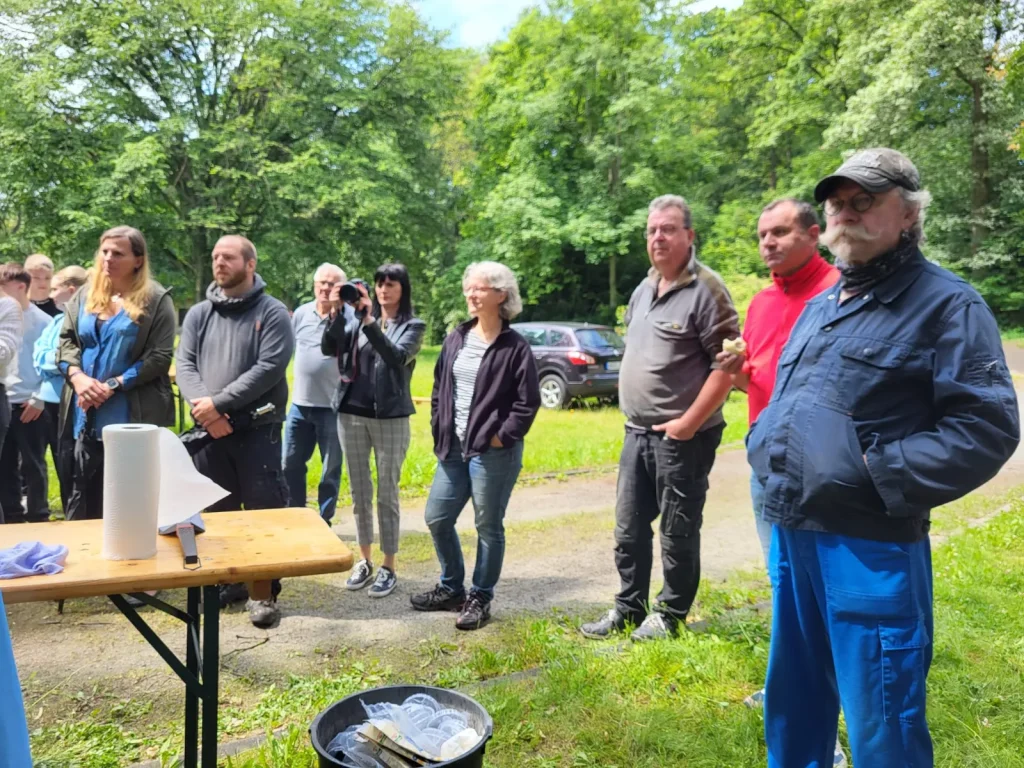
pixel 438 599
pixel 657 626
pixel 475 613
pixel 232 593
pixel 384 584
pixel 611 623
pixel 361 575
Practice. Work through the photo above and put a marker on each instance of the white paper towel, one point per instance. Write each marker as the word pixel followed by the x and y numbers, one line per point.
pixel 131 490
pixel 149 481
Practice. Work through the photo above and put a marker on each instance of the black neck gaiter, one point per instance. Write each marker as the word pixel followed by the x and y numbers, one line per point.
pixel 860 278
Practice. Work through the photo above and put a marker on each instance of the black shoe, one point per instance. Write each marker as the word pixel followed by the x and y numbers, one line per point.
pixel 612 622
pixel 475 613
pixel 657 626
pixel 438 599
pixel 232 593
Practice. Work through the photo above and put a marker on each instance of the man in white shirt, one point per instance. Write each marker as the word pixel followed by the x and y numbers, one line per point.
pixel 26 438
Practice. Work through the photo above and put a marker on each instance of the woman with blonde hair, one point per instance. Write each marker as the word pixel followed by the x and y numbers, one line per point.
pixel 115 351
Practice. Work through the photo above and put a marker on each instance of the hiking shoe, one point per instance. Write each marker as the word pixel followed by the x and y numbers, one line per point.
pixel 839 758
pixel 360 576
pixel 754 700
pixel 438 599
pixel 263 613
pixel 656 626
pixel 232 593
pixel 385 583
pixel 612 622
pixel 475 613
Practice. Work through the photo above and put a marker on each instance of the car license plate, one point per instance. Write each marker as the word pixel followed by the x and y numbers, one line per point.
pixel 613 366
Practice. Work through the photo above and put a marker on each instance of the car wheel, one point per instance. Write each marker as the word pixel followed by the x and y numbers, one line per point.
pixel 553 392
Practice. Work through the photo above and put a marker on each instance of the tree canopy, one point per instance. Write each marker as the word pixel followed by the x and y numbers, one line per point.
pixel 351 132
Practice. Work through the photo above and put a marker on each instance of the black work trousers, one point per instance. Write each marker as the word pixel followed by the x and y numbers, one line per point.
pixel 666 478
pixel 248 464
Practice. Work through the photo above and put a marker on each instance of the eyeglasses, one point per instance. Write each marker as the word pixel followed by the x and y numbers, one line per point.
pixel 669 230
pixel 326 283
pixel 476 290
pixel 860 203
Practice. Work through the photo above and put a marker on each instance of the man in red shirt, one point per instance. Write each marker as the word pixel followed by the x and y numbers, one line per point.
pixel 787 234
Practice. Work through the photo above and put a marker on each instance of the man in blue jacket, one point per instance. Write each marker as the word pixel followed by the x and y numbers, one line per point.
pixel 892 397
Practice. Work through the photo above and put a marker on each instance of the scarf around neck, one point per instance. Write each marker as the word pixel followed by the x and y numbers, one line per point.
pixel 859 278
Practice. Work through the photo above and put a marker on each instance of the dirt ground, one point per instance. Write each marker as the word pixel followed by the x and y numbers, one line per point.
pixel 559 554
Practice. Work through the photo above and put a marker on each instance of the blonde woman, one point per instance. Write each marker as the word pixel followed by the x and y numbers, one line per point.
pixel 115 351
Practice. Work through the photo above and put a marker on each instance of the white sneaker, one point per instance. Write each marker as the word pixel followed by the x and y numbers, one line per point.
pixel 839 757
pixel 755 700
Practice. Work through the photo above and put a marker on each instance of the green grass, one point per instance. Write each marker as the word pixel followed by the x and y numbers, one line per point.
pixel 615 705
pixel 1013 334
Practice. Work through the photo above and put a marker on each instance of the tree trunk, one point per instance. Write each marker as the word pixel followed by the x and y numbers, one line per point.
pixel 613 294
pixel 200 260
pixel 980 183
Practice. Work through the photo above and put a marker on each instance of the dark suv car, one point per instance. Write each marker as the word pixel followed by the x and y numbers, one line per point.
pixel 574 360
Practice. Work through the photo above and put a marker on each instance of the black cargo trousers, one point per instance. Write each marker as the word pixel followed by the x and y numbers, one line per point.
pixel 667 478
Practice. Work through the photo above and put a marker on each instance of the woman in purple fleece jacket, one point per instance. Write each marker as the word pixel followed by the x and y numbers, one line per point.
pixel 484 401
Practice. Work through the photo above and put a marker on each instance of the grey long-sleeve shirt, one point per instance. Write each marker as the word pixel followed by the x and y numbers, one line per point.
pixel 236 351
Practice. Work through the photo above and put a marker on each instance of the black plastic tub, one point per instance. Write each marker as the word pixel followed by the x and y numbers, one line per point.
pixel 339 716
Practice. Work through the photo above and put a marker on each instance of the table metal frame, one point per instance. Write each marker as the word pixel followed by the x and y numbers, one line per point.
pixel 200 671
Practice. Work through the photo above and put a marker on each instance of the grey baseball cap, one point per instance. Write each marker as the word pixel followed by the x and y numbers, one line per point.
pixel 877 170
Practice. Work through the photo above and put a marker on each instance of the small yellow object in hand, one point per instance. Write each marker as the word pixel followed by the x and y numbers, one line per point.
pixel 735 346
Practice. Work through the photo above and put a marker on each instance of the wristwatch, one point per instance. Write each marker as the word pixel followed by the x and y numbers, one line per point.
pixel 113 383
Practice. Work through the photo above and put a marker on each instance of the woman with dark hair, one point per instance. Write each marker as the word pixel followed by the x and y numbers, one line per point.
pixel 376 343
pixel 115 351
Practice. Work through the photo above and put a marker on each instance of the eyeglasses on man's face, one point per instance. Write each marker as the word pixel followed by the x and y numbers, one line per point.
pixel 861 203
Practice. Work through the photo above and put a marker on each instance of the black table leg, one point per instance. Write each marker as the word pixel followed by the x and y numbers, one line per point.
pixel 211 673
pixel 192 665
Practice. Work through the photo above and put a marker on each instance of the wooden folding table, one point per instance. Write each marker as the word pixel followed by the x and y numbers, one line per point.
pixel 253 547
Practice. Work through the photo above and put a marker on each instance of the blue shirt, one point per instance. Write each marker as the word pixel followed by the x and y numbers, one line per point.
pixel 885 406
pixel 34 322
pixel 14 752
pixel 44 359
pixel 105 354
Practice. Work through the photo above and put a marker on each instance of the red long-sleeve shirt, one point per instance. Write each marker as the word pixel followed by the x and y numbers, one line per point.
pixel 770 319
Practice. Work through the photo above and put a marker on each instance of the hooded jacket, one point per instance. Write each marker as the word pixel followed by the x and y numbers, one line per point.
pixel 150 400
pixel 236 351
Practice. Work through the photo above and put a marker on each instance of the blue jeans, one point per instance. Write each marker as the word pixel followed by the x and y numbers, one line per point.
pixel 764 528
pixel 488 480
pixel 306 428
pixel 851 624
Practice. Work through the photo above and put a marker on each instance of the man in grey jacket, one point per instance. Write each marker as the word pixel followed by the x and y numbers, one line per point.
pixel 231 363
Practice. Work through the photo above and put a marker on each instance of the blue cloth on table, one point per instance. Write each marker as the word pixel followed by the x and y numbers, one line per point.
pixel 107 353
pixel 14 750
pixel 32 558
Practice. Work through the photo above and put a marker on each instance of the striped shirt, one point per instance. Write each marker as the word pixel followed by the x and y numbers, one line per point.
pixel 464 371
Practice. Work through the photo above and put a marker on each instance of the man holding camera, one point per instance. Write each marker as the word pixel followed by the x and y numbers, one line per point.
pixel 311 420
pixel 231 363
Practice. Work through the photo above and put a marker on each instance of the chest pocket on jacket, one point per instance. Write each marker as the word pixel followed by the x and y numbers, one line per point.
pixel 865 370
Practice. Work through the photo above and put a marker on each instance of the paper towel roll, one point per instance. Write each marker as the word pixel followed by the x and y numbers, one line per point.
pixel 131 490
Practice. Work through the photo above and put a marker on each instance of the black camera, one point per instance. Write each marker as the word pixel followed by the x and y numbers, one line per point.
pixel 350 294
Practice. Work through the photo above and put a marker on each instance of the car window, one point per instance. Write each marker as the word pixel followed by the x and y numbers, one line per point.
pixel 533 335
pixel 559 339
pixel 600 338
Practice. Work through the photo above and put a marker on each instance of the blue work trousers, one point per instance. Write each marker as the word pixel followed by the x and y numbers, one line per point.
pixel 851 625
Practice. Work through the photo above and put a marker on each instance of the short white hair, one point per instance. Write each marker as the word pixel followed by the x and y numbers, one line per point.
pixel 920 200
pixel 333 268
pixel 500 278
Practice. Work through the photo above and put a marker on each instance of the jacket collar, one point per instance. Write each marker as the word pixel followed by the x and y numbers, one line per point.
pixel 804 278
pixel 889 290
